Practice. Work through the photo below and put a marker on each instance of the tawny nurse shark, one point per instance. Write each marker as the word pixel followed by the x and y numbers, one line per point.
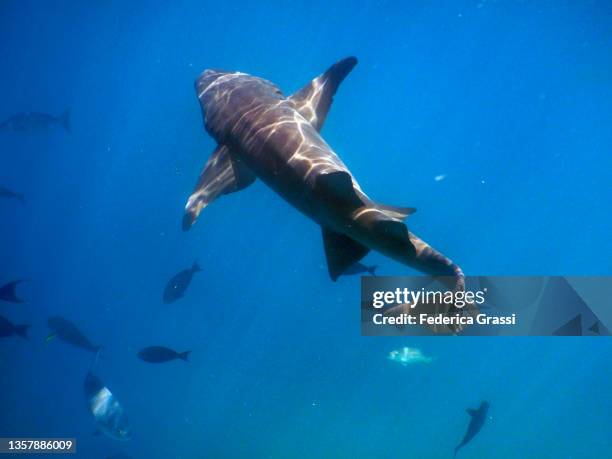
pixel 263 134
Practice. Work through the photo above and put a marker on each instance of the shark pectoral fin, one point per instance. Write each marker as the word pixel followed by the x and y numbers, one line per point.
pixel 341 252
pixel 471 412
pixel 337 188
pixel 314 99
pixel 222 174
pixel 396 212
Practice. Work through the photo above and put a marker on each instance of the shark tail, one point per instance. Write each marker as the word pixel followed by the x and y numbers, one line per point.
pixel 441 268
pixel 64 120
pixel 184 355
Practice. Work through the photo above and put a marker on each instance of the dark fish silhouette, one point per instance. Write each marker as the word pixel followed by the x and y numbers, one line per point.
pixel 176 287
pixel 66 331
pixel 8 292
pixel 7 328
pixel 478 418
pixel 8 194
pixel 261 133
pixel 161 354
pixel 595 328
pixel 24 122
pixel 107 411
pixel 360 268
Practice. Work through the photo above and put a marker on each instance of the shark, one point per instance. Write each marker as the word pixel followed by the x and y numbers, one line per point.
pixel 263 134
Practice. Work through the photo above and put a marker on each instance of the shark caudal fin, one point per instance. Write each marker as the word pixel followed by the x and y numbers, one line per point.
pixel 222 174
pixel 314 100
pixel 184 355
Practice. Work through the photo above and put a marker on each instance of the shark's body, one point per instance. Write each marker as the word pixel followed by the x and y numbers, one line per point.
pixel 263 134
pixel 477 420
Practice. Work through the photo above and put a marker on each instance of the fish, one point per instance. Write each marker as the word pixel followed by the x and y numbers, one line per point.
pixel 161 354
pixel 360 268
pixel 477 420
pixel 262 134
pixel 66 331
pixel 108 413
pixel 34 121
pixel 8 292
pixel 408 356
pixel 8 194
pixel 7 328
pixel 595 328
pixel 176 287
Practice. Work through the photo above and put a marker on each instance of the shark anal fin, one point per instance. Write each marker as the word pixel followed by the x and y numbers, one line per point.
pixel 337 188
pixel 471 412
pixel 341 252
pixel 222 174
pixel 314 99
pixel 396 212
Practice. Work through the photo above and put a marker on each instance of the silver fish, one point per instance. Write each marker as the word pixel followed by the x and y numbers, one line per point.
pixel 107 411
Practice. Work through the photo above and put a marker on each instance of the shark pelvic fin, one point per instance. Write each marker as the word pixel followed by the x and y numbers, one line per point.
pixel 396 212
pixel 222 174
pixel 337 188
pixel 314 99
pixel 341 252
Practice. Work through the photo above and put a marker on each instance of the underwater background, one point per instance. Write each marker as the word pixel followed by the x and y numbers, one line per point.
pixel 510 101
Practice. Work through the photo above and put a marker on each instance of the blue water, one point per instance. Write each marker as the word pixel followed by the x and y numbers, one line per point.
pixel 511 101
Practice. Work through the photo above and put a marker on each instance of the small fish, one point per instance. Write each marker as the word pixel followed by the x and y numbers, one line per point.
pixel 439 178
pixel 25 122
pixel 408 356
pixel 360 268
pixel 68 332
pixel 7 328
pixel 478 418
pixel 176 287
pixel 8 194
pixel 161 354
pixel 107 411
pixel 8 292
pixel 595 328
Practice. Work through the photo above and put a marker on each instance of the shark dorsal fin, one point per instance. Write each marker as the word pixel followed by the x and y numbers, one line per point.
pixel 314 99
pixel 341 252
